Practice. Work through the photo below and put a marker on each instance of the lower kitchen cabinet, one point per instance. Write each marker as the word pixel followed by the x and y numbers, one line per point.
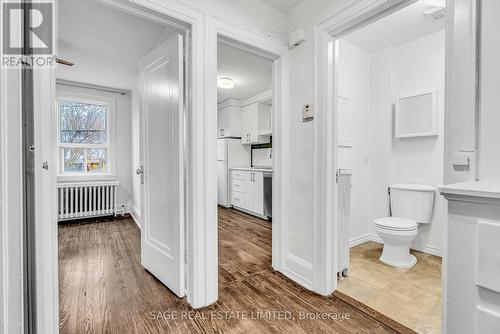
pixel 247 191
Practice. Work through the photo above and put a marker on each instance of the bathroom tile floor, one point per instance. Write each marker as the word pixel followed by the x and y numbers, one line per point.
pixel 412 296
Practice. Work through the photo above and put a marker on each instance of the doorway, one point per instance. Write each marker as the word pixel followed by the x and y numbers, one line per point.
pixel 389 151
pixel 121 105
pixel 244 161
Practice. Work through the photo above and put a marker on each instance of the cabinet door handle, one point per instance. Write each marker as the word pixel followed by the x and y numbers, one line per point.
pixel 222 132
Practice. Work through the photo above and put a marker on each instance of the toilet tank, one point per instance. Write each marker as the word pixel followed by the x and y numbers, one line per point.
pixel 413 201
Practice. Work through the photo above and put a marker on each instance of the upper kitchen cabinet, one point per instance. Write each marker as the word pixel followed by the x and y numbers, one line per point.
pixel 256 123
pixel 229 119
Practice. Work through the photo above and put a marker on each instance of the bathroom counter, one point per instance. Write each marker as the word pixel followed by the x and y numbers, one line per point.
pixel 483 189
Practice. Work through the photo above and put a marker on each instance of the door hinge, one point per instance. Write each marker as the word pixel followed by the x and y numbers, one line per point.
pixel 185 256
pixel 337 176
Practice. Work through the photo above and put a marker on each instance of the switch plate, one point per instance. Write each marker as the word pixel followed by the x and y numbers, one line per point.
pixel 307 112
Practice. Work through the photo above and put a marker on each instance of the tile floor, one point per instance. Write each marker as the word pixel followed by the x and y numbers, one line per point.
pixel 410 296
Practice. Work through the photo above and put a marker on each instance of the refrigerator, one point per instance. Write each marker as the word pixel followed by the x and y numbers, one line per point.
pixel 230 154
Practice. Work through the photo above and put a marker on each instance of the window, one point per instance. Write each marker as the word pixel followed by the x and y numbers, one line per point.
pixel 84 136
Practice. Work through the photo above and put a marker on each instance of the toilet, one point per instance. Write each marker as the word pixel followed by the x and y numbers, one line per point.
pixel 411 205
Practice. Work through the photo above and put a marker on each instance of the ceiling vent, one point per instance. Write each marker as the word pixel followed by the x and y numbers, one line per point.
pixel 436 13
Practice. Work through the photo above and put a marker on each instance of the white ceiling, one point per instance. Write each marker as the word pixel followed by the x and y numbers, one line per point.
pixel 250 73
pixel 403 26
pixel 93 29
pixel 282 5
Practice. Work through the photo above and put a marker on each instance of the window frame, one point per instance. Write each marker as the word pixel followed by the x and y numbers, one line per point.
pixel 110 147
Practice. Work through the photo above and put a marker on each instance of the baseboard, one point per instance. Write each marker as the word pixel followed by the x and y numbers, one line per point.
pixel 297 269
pixel 360 240
pixel 136 215
pixel 297 278
pixel 375 238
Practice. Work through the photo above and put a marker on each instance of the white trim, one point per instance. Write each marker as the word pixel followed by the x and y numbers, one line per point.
pixel 11 302
pixel 262 96
pixel 375 238
pixel 325 158
pixel 47 290
pixel 135 214
pixel 462 86
pixel 281 158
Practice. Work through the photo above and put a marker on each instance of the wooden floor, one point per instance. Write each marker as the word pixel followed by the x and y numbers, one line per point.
pixel 104 289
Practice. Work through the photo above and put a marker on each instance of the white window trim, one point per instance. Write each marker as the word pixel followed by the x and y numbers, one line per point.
pixel 111 133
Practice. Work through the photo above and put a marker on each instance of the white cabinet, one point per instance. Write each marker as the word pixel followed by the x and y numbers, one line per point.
pixel 256 123
pixel 229 119
pixel 247 191
pixel 472 276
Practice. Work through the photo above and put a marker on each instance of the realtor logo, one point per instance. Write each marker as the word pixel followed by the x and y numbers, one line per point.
pixel 28 29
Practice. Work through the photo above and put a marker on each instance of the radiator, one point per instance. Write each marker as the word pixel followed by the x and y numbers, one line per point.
pixel 86 199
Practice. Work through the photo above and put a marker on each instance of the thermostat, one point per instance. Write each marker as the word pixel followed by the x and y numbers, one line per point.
pixel 307 112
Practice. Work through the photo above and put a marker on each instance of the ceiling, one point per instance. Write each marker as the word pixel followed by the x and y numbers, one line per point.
pixel 250 73
pixel 282 5
pixel 403 26
pixel 91 29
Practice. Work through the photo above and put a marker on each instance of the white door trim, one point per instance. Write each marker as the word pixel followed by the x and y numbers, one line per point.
pixel 11 203
pixel 276 49
pixel 462 59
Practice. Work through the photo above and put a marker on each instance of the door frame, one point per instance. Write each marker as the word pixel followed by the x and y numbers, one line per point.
pixel 277 51
pixel 462 91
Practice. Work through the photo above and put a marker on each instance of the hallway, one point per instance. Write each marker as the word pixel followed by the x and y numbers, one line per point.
pixel 104 289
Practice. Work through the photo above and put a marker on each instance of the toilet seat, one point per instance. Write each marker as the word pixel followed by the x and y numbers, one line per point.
pixel 396 224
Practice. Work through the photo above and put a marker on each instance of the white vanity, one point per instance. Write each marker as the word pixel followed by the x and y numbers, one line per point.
pixel 472 280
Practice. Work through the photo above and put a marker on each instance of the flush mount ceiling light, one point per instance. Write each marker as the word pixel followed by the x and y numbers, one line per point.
pixel 436 3
pixel 225 83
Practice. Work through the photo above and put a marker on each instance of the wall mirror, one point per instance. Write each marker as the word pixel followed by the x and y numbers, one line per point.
pixel 416 115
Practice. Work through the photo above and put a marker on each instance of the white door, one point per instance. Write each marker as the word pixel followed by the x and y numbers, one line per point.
pixel 162 232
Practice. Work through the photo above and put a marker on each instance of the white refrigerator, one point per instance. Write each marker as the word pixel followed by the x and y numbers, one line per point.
pixel 230 154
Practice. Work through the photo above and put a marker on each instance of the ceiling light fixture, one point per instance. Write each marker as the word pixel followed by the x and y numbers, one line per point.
pixel 225 83
pixel 436 3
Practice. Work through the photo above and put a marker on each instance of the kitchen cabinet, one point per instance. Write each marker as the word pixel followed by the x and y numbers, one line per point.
pixel 229 119
pixel 256 124
pixel 247 191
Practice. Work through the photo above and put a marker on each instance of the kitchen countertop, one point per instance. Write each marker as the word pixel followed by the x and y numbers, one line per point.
pixel 254 169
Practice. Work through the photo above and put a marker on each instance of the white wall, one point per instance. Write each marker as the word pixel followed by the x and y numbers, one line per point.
pixel 300 225
pixel 354 124
pixel 490 97
pixel 378 158
pixel 420 66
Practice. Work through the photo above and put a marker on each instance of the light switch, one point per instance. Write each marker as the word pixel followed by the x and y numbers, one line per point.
pixel 307 112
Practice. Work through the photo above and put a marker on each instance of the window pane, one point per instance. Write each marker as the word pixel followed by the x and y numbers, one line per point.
pixel 82 123
pixel 74 160
pixel 96 160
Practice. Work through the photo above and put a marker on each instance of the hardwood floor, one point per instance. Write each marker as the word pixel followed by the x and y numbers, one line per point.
pixel 104 289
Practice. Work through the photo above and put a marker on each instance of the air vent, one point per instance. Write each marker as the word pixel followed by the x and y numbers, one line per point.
pixel 436 13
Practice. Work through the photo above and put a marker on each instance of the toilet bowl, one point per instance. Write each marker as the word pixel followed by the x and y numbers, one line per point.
pixel 411 205
pixel 397 235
